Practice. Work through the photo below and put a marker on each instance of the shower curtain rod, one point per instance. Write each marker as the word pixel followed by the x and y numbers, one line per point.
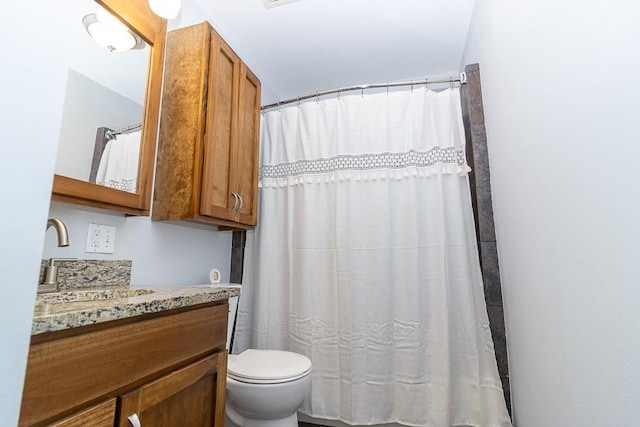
pixel 462 80
pixel 111 134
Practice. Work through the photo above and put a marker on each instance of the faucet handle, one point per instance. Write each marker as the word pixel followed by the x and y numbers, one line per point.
pixel 50 283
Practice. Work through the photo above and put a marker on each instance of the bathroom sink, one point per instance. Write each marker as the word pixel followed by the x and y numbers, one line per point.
pixel 65 301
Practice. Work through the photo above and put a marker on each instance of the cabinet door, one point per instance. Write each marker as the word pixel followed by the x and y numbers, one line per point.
pixel 244 176
pixel 101 415
pixel 190 397
pixel 180 142
pixel 217 198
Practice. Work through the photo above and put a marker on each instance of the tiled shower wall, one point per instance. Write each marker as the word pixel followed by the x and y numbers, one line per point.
pixel 480 181
pixel 237 255
pixel 477 156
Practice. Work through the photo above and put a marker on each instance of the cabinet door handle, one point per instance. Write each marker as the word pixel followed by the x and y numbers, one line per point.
pixel 241 203
pixel 235 205
pixel 134 420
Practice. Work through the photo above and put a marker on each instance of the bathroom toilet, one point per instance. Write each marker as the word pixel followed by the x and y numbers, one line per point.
pixel 265 388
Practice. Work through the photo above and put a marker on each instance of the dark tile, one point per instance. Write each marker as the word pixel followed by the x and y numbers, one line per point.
pixel 464 101
pixel 486 227
pixel 474 88
pixel 468 148
pixel 237 264
pixel 480 133
pixel 506 386
pixel 496 321
pixel 474 206
pixel 483 190
pixel 490 274
pixel 469 68
pixel 239 239
pixel 501 356
pixel 473 95
pixel 480 153
pixel 476 114
pixel 472 74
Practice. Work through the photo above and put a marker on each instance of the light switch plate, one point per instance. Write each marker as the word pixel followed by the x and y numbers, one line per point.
pixel 101 239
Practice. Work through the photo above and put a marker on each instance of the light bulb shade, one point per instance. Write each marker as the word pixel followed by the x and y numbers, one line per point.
pixel 110 33
pixel 168 9
pixel 109 21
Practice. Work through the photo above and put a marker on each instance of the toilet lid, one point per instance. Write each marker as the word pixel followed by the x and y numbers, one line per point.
pixel 267 366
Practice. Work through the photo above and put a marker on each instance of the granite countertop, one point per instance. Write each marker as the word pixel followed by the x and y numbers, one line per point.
pixel 64 310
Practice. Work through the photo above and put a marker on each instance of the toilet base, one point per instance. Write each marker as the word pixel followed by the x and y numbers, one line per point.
pixel 233 419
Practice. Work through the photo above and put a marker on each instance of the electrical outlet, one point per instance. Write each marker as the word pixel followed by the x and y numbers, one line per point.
pixel 101 239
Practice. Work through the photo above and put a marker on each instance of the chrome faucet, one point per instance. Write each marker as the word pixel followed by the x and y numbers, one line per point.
pixel 50 283
pixel 61 229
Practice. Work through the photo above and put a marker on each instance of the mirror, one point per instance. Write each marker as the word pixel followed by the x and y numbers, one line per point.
pixel 111 99
pixel 104 96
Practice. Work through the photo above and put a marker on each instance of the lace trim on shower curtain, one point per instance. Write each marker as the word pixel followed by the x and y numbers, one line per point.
pixel 365 166
pixel 129 185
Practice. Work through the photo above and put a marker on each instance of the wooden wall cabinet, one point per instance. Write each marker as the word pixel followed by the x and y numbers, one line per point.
pixel 167 369
pixel 207 164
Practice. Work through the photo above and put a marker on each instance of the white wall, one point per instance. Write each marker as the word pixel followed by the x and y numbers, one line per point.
pixel 163 253
pixel 32 81
pixel 562 100
pixel 32 86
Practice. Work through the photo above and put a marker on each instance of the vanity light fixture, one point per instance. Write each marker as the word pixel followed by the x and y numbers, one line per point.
pixel 110 33
pixel 167 9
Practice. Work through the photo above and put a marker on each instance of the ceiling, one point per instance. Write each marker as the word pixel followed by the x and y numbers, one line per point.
pixel 311 45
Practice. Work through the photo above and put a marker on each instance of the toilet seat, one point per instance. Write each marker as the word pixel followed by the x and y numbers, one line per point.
pixel 267 366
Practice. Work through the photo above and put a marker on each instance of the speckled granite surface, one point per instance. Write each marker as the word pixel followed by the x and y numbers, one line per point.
pixel 63 310
pixel 91 273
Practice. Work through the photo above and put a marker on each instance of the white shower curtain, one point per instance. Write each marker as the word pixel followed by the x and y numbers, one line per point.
pixel 366 261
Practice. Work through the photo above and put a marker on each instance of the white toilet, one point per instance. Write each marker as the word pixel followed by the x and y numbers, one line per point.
pixel 265 388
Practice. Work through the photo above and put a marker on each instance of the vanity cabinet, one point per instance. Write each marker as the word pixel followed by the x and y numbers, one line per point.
pixel 207 164
pixel 166 369
pixel 186 397
pixel 101 415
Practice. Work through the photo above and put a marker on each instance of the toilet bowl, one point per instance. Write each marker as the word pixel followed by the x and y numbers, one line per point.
pixel 265 388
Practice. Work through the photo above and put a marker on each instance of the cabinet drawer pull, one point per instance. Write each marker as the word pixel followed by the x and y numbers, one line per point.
pixel 134 420
pixel 235 205
pixel 241 203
